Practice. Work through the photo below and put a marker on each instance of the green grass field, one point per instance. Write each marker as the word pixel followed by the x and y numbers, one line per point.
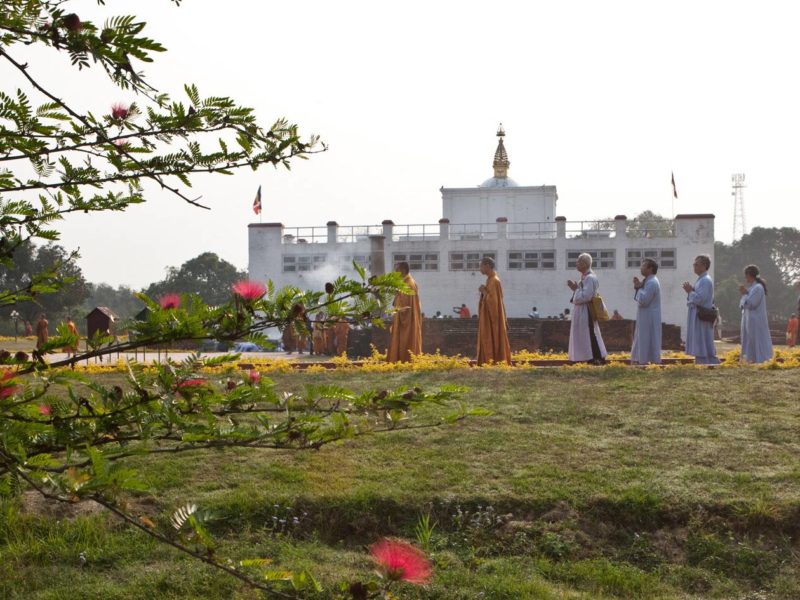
pixel 608 483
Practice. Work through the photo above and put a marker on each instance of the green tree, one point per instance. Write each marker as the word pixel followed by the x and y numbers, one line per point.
pixel 31 260
pixel 57 158
pixel 776 252
pixel 206 275
pixel 121 300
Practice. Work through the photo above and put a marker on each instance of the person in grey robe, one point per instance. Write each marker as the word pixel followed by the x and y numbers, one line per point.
pixel 647 336
pixel 756 339
pixel 700 334
pixel 585 341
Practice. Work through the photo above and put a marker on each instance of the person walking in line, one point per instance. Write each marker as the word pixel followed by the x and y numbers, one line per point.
pixel 699 332
pixel 42 333
pixel 756 338
pixel 791 331
pixel 493 345
pixel 406 330
pixel 647 336
pixel 585 341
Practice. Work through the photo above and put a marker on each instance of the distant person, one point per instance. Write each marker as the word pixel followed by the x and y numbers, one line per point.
pixel 791 331
pixel 493 343
pixel 438 315
pixel 756 339
pixel 406 330
pixel 797 287
pixel 462 311
pixel 318 335
pixel 646 347
pixel 534 314
pixel 289 338
pixel 73 349
pixel 616 316
pixel 567 314
pixel 42 334
pixel 700 298
pixel 585 340
pixel 341 331
pixel 28 329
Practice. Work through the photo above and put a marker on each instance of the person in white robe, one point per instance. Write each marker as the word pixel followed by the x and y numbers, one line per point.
pixel 585 340
pixel 647 336
pixel 756 339
pixel 699 333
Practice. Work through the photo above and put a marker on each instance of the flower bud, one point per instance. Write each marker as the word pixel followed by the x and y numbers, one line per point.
pixel 72 23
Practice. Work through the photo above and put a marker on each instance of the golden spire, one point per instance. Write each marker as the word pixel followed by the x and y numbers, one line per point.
pixel 501 162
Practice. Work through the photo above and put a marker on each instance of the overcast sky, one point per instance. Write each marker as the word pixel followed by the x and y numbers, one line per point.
pixel 601 99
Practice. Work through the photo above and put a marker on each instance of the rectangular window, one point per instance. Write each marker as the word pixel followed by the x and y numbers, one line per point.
pixel 418 261
pixel 364 260
pixel 531 259
pixel 665 257
pixel 601 259
pixel 468 261
pixel 302 262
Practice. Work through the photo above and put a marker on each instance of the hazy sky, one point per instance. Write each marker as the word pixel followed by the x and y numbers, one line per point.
pixel 602 99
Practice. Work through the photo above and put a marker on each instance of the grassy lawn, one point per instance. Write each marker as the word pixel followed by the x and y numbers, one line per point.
pixel 583 484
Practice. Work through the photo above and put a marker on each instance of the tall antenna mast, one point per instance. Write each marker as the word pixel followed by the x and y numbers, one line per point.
pixel 737 184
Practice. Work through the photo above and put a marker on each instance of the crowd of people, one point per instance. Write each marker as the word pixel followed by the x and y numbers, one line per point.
pixel 586 340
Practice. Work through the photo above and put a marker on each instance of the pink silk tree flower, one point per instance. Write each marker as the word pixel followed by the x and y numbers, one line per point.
pixel 169 301
pixel 249 290
pixel 400 561
pixel 119 111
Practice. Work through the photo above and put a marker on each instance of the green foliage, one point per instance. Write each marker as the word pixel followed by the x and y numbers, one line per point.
pixel 776 252
pixel 85 162
pixel 207 276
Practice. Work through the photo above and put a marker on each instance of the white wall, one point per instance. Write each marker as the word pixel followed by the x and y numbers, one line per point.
pixel 485 205
pixel 443 289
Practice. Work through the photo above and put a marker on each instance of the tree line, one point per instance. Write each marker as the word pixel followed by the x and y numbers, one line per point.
pixel 207 275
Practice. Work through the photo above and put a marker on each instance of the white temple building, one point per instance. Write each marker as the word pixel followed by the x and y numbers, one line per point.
pixel 534 250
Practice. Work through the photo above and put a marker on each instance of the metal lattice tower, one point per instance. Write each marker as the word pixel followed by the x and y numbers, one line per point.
pixel 739 227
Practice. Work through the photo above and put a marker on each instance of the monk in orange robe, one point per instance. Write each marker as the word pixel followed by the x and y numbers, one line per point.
pixel 342 331
pixel 41 331
pixel 407 324
pixel 791 331
pixel 492 328
pixel 74 331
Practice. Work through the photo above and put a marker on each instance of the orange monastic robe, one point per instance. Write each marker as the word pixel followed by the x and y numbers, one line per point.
pixel 342 330
pixel 492 328
pixel 74 331
pixel 41 332
pixel 791 332
pixel 407 325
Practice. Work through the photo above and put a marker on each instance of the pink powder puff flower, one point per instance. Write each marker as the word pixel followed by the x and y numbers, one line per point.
pixel 191 383
pixel 169 301
pixel 187 387
pixel 249 290
pixel 7 390
pixel 120 145
pixel 254 377
pixel 401 561
pixel 44 410
pixel 119 111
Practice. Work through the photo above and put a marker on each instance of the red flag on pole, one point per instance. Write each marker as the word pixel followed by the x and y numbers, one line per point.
pixel 674 190
pixel 257 202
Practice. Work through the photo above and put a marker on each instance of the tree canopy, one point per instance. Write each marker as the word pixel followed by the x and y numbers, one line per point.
pixel 207 275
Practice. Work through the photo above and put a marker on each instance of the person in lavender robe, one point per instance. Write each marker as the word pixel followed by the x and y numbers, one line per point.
pixel 647 336
pixel 585 341
pixel 700 334
pixel 756 339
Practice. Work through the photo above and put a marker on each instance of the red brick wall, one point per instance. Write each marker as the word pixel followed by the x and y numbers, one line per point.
pixel 460 336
